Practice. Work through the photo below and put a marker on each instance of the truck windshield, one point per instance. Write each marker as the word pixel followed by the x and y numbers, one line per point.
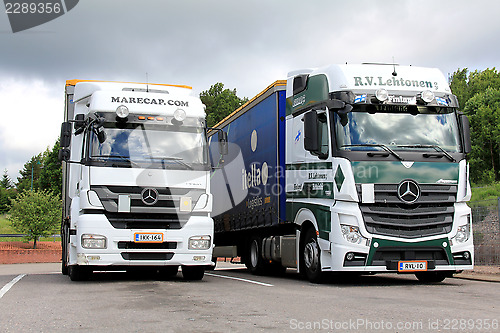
pixel 398 128
pixel 150 146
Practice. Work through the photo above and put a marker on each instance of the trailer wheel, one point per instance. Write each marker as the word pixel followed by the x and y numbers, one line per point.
pixel 311 257
pixel 79 273
pixel 254 261
pixel 193 273
pixel 431 277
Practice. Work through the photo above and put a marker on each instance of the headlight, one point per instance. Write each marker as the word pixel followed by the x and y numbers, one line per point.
pixel 382 95
pixel 463 234
pixel 427 96
pixel 179 115
pixel 199 243
pixel 352 234
pixel 93 241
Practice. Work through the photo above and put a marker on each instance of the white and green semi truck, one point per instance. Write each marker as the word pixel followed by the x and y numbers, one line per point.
pixel 347 168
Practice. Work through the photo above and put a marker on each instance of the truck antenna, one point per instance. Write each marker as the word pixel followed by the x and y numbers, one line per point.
pixel 147 82
pixel 394 66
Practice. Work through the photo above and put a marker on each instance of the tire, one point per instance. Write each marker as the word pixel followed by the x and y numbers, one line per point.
pixel 432 277
pixel 254 261
pixel 193 273
pixel 311 258
pixel 79 273
pixel 168 272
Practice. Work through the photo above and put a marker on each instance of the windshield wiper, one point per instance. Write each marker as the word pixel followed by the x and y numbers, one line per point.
pixel 435 147
pixel 176 159
pixel 384 147
pixel 123 158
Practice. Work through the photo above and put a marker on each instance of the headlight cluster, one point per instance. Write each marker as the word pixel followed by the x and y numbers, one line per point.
pixel 352 234
pixel 199 243
pixel 463 234
pixel 90 241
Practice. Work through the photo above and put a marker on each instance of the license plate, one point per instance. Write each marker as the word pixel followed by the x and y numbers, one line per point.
pixel 412 266
pixel 148 237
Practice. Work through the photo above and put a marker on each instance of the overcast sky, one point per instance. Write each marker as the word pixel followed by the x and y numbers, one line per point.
pixel 246 45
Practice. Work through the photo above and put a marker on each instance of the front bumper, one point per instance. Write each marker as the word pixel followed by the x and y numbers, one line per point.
pixel 121 250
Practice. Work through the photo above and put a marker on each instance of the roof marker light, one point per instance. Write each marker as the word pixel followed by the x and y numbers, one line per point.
pixel 122 111
pixel 382 95
pixel 179 115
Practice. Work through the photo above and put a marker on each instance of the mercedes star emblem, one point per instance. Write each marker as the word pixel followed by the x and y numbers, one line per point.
pixel 149 196
pixel 408 191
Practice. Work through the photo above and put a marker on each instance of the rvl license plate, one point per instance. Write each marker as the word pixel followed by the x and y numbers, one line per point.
pixel 412 266
pixel 148 237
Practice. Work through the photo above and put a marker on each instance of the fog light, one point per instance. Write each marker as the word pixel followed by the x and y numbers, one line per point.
pixel 466 255
pixel 427 96
pixel 122 111
pixel 90 241
pixel 382 95
pixel 199 258
pixel 199 243
pixel 179 115
pixel 349 256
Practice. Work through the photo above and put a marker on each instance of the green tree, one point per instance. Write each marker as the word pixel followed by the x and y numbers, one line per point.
pixel 477 94
pixel 483 110
pixel 30 174
pixel 51 173
pixel 220 102
pixel 6 182
pixel 35 214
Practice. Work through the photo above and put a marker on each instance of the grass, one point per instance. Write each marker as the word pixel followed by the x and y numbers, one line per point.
pixel 6 228
pixel 485 192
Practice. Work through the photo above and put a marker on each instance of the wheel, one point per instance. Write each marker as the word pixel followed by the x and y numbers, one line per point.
pixel 64 247
pixel 311 262
pixel 168 272
pixel 79 273
pixel 431 277
pixel 254 261
pixel 193 273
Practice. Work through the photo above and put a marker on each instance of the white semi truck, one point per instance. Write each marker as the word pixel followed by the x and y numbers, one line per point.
pixel 136 190
pixel 348 168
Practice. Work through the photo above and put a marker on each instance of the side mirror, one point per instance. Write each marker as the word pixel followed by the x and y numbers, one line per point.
pixel 311 131
pixel 466 133
pixel 64 154
pixel 65 134
pixel 79 124
pixel 223 146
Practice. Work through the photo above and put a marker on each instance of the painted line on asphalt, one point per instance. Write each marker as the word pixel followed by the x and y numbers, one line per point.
pixel 9 285
pixel 240 279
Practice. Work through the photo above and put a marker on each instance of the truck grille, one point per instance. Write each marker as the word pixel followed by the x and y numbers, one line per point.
pixel 431 214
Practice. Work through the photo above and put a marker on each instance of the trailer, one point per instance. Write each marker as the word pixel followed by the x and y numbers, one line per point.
pixel 136 189
pixel 347 168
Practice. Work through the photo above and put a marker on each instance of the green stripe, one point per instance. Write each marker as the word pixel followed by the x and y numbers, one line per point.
pixel 384 244
pixel 316 91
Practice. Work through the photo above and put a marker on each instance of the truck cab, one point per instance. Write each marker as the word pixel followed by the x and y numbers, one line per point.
pixel 136 190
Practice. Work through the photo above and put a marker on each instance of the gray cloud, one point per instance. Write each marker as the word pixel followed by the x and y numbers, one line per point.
pixel 244 44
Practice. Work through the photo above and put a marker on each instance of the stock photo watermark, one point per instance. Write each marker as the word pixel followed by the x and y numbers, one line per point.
pixel 27 14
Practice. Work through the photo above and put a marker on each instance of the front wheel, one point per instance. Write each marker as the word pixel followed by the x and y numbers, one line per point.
pixel 79 273
pixel 193 273
pixel 311 261
pixel 431 277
